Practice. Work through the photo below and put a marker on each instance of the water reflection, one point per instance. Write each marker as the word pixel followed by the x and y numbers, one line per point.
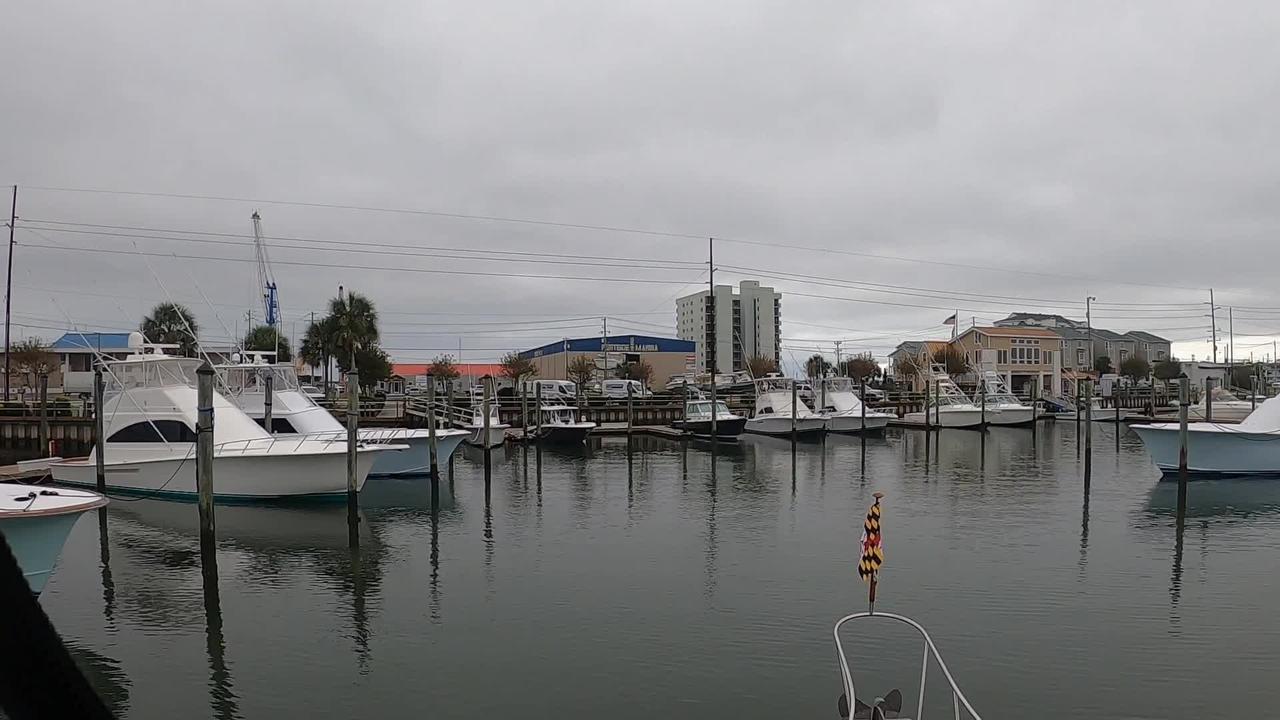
pixel 105 676
pixel 221 695
pixel 104 560
pixel 1230 500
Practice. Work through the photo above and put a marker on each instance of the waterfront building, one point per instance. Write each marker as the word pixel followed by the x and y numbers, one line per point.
pixel 748 323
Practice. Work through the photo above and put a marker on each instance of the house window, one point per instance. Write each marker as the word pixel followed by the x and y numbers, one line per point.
pixel 1080 362
pixel 1159 354
pixel 1124 355
pixel 1002 357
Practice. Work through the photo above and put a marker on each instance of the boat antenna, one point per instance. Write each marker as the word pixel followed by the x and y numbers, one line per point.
pixel 872 552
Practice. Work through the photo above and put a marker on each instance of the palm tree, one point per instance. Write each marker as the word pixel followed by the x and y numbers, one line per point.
pixel 263 338
pixel 816 366
pixel 172 324
pixel 354 325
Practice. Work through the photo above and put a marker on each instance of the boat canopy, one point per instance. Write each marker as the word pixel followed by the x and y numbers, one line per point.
pixel 152 371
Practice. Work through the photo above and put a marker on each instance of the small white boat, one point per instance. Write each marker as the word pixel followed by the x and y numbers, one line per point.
pixel 477 435
pixel 773 415
pixel 1251 447
pixel 151 410
pixel 697 420
pixel 295 413
pixel 560 426
pixel 842 409
pixel 36 521
pixel 1003 407
pixel 1226 407
pixel 948 405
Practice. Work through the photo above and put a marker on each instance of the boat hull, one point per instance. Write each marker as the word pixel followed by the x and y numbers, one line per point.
pixel 495 437
pixel 1213 452
pixel 37 542
pixel 415 459
pixel 725 429
pixel 853 423
pixel 777 426
pixel 564 434
pixel 267 476
pixel 948 418
pixel 1010 416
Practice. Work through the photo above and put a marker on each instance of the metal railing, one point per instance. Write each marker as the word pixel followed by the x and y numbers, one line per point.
pixel 958 699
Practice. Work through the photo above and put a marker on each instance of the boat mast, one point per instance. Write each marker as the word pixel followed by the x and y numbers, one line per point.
pixel 266 282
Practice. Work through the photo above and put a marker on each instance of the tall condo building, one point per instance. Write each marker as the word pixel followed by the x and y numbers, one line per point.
pixel 747 323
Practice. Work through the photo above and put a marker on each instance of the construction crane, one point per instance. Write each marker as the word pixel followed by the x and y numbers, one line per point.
pixel 266 281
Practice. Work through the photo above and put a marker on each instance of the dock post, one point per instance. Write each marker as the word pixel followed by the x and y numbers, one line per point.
pixel 44 415
pixel 795 410
pixel 926 406
pixel 99 431
pixel 937 395
pixel 982 391
pixel 524 409
pixel 537 413
pixel 1208 399
pixel 1088 434
pixel 862 403
pixel 1077 384
pixel 486 423
pixel 630 410
pixel 204 451
pixel 713 404
pixel 1184 401
pixel 448 408
pixel 431 432
pixel 684 406
pixel 353 422
pixel 1253 392
pixel 268 399
pixel 1035 401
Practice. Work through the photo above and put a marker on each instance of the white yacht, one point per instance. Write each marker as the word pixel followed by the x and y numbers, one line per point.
pixel 839 405
pixel 559 425
pixel 773 415
pixel 36 521
pixel 1003 407
pixel 476 434
pixel 948 405
pixel 150 413
pixel 294 412
pixel 1226 407
pixel 1251 447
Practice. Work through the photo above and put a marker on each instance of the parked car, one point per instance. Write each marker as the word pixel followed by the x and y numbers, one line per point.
pixel 559 390
pixel 617 389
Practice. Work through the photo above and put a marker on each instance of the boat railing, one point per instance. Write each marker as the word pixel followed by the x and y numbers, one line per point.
pixel 267 444
pixel 958 700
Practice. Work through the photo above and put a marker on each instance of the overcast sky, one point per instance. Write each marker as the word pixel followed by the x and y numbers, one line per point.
pixel 1036 151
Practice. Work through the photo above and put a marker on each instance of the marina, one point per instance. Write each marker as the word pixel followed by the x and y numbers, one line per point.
pixel 713 583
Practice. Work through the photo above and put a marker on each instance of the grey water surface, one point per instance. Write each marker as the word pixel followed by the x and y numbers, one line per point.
pixel 601 584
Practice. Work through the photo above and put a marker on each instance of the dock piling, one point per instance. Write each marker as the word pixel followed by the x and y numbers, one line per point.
pixel 537 413
pixel 204 451
pixel 44 415
pixel 1208 399
pixel 485 423
pixel 1184 401
pixel 1088 433
pixel 862 403
pixel 925 407
pixel 631 409
pixel 99 431
pixel 982 392
pixel 268 399
pixel 432 448
pixel 353 422
pixel 795 410
pixel 937 395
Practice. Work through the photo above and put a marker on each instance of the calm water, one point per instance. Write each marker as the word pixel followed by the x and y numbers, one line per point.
pixel 659 586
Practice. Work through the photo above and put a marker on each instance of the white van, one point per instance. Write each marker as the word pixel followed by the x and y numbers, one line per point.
pixel 617 389
pixel 559 390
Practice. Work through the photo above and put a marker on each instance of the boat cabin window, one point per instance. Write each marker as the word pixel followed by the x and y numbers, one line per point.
pixel 170 431
pixel 279 426
pixel 766 410
pixel 163 372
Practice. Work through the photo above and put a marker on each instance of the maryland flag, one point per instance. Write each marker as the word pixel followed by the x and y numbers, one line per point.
pixel 872 551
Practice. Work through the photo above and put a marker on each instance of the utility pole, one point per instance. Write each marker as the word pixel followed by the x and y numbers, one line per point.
pixel 711 330
pixel 8 289
pixel 604 351
pixel 1231 335
pixel 1213 324
pixel 838 355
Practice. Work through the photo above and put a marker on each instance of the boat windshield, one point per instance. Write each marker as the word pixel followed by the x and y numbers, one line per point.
pixel 162 371
pixel 252 378
pixel 701 410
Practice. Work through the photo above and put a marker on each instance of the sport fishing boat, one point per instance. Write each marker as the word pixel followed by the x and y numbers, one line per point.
pixel 852 706
pixel 477 435
pixel 697 421
pixel 559 425
pixel 1251 447
pixel 294 413
pixel 1003 407
pixel 150 412
pixel 1226 407
pixel 948 405
pixel 36 521
pixel 775 415
pixel 842 409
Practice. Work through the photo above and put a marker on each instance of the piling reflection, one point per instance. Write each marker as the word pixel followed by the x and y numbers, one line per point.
pixel 712 549
pixel 222 697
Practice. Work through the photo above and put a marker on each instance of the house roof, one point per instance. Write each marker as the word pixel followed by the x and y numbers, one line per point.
pixel 1146 336
pixel 90 341
pixel 1013 331
pixel 614 343
pixel 407 370
pixel 1100 334
pixel 914 347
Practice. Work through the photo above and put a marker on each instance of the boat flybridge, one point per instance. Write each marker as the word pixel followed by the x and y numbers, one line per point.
pixel 1003 407
pixel 839 405
pixel 948 405
pixel 294 413
pixel 150 411
pixel 776 415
